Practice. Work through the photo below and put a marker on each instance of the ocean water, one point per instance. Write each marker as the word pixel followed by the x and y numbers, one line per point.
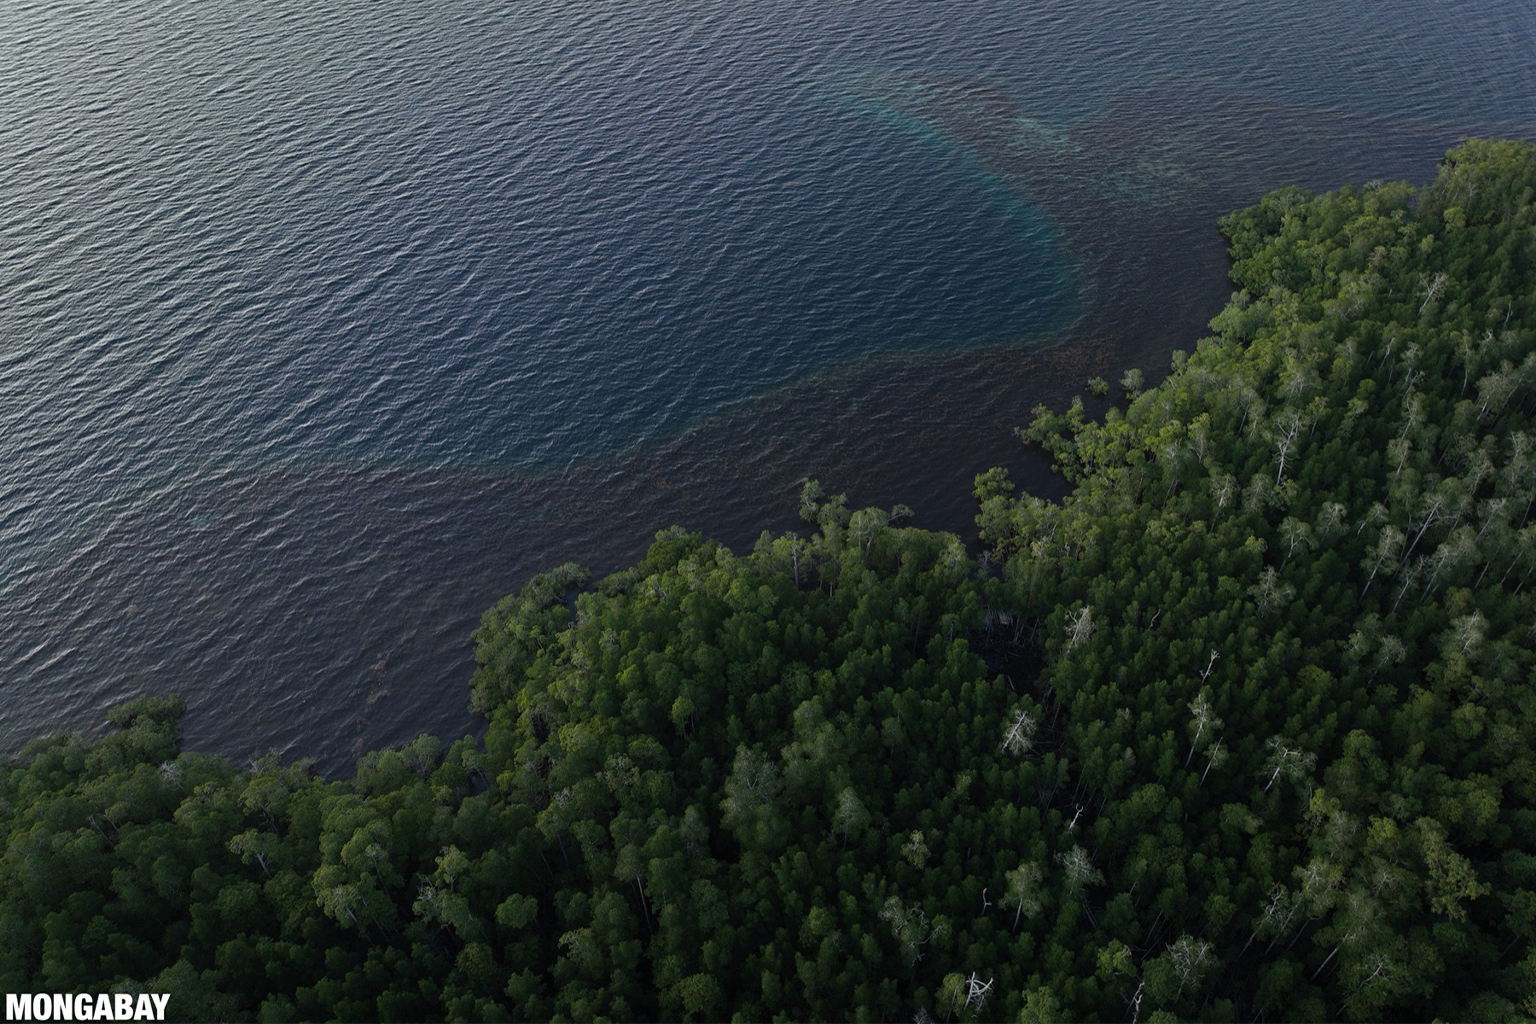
pixel 324 325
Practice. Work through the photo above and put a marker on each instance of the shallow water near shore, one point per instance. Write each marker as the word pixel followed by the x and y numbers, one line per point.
pixel 327 326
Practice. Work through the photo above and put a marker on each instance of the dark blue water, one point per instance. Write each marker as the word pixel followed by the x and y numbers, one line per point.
pixel 325 325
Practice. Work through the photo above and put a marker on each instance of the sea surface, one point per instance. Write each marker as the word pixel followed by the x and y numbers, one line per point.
pixel 322 326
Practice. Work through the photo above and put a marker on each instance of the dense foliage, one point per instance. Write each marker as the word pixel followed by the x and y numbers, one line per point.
pixel 1241 729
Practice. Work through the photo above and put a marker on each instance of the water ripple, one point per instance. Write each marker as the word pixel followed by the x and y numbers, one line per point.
pixel 325 325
